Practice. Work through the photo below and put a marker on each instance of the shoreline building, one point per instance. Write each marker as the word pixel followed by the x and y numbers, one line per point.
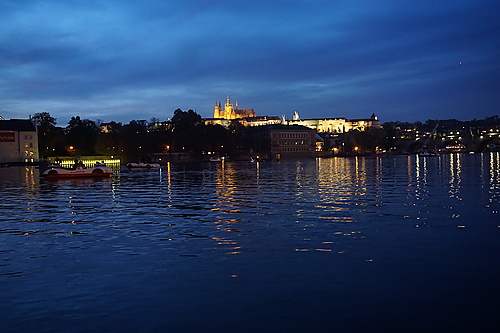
pixel 18 141
pixel 336 125
pixel 283 141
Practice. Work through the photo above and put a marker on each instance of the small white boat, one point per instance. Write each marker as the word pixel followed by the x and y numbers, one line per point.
pixel 80 172
pixel 428 153
pixel 143 165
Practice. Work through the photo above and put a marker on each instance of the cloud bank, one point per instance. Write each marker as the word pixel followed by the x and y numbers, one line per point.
pixel 124 60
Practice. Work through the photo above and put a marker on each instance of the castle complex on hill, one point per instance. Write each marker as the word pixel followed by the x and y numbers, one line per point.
pixel 248 117
pixel 231 112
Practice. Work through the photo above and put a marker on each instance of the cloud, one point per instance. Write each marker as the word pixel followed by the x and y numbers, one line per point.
pixel 124 60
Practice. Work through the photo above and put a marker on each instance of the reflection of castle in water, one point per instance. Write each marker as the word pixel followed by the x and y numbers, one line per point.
pixel 248 196
pixel 494 173
pixel 226 205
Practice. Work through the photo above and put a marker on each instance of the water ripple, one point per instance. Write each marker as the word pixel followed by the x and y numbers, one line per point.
pixel 332 223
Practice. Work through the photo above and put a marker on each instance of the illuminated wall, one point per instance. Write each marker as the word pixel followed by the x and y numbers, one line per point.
pixel 337 125
pixel 18 141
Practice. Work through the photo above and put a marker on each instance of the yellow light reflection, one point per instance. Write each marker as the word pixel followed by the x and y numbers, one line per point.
pixel 169 183
pixel 455 169
pixel 494 177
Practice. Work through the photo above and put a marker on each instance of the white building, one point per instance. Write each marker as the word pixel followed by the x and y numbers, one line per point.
pixel 336 125
pixel 18 141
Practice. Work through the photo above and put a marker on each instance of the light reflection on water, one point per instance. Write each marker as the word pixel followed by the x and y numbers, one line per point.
pixel 299 245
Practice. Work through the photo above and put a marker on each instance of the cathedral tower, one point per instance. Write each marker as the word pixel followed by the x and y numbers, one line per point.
pixel 228 109
pixel 218 113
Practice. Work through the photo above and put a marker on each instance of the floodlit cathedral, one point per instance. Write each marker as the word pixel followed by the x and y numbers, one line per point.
pixel 248 118
pixel 229 112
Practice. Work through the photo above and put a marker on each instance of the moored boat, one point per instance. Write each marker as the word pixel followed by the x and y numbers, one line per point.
pixel 143 165
pixel 493 147
pixel 428 154
pixel 80 172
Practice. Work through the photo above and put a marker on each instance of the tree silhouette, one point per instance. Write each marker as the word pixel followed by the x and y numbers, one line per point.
pixel 50 138
pixel 82 135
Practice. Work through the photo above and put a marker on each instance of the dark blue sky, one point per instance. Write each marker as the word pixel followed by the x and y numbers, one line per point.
pixel 125 60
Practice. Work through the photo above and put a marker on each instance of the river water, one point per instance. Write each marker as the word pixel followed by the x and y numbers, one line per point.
pixel 367 244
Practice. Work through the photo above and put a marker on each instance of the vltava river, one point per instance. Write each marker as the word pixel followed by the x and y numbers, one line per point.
pixel 391 244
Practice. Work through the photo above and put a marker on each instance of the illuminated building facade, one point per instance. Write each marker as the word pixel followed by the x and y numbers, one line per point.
pixel 246 117
pixel 18 141
pixel 260 121
pixel 336 125
pixel 229 112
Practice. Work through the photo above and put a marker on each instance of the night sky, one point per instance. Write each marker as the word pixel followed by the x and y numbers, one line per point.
pixel 124 60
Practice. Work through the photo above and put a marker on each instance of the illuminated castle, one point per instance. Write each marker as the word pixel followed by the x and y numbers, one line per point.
pixel 248 118
pixel 231 112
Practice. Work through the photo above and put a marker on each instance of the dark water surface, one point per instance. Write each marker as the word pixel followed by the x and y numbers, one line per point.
pixel 392 244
